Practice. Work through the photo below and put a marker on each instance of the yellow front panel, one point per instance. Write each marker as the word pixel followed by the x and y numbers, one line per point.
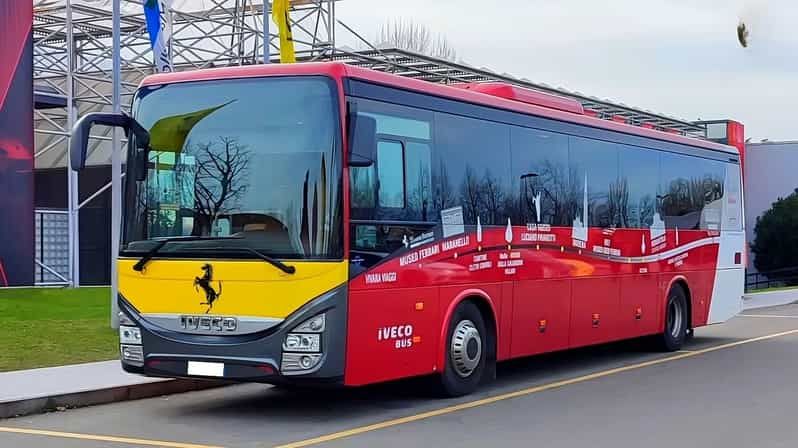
pixel 246 288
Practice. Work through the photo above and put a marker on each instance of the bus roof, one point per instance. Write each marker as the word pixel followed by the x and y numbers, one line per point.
pixel 474 96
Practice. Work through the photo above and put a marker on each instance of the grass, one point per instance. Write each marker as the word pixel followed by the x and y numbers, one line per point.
pixel 50 327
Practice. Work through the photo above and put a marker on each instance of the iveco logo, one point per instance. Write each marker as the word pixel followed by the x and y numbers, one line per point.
pixel 208 323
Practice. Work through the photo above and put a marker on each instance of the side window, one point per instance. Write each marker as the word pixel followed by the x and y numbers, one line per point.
pixel 472 168
pixel 690 192
pixel 391 174
pixel 390 197
pixel 637 186
pixel 418 181
pixel 363 184
pixel 732 199
pixel 595 189
pixel 712 188
pixel 398 186
pixel 679 198
pixel 540 176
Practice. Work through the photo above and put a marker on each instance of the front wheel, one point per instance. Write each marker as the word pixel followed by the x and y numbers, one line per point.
pixel 676 321
pixel 466 351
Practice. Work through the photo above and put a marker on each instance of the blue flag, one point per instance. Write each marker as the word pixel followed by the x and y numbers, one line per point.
pixel 159 26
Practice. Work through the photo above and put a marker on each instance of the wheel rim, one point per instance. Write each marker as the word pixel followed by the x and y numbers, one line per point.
pixel 675 318
pixel 466 348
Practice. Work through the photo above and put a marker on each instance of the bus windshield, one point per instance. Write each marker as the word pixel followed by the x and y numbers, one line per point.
pixel 258 160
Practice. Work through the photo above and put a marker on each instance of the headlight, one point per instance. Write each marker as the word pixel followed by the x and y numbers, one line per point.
pixel 315 324
pixel 297 342
pixel 129 335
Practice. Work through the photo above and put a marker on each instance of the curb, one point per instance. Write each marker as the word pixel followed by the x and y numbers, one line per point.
pixel 27 406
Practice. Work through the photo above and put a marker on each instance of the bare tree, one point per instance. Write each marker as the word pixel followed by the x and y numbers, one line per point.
pixel 618 203
pixel 413 36
pixel 419 197
pixel 221 179
pixel 493 196
pixel 470 195
pixel 647 207
pixel 443 196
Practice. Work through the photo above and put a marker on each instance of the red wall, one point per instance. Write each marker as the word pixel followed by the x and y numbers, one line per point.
pixel 16 143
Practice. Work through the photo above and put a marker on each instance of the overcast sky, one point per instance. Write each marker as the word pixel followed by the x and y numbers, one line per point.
pixel 678 57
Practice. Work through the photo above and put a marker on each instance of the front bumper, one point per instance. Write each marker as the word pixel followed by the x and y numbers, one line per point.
pixel 254 357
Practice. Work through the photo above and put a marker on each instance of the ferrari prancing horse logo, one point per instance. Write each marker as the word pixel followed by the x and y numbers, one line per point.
pixel 204 282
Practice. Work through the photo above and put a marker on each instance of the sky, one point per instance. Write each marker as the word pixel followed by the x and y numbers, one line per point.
pixel 677 57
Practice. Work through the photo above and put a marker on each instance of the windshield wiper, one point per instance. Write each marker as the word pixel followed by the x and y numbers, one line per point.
pixel 272 261
pixel 139 266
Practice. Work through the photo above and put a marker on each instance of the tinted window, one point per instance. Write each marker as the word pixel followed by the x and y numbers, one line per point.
pixel 472 168
pixel 253 158
pixel 594 167
pixel 687 184
pixel 391 174
pixel 636 189
pixel 418 181
pixel 714 173
pixel 402 170
pixel 540 176
pixel 732 213
pixel 363 186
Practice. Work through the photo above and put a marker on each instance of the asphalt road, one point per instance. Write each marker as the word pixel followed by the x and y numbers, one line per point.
pixel 734 385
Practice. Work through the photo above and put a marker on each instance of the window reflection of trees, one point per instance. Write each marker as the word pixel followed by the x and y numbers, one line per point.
pixel 221 180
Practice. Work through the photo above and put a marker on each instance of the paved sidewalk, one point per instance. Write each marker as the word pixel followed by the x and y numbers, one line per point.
pixel 29 391
pixel 767 299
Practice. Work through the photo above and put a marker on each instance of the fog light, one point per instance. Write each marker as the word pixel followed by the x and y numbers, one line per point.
pixel 297 363
pixel 133 354
pixel 297 342
pixel 129 335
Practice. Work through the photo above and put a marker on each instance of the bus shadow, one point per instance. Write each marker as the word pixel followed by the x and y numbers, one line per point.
pixel 398 398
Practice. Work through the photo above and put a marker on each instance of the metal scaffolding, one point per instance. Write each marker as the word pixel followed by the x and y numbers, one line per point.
pixel 74 66
pixel 408 64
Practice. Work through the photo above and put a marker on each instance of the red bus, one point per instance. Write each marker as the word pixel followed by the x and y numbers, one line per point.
pixel 321 223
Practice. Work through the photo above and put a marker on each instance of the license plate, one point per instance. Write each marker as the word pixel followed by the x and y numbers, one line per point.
pixel 205 368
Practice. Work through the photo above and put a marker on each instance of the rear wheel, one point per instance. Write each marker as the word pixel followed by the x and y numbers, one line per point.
pixel 676 328
pixel 466 351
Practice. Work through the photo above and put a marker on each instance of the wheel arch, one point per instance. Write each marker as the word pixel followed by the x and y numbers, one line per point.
pixel 679 281
pixel 487 308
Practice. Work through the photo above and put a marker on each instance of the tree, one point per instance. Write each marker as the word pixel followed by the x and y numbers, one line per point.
pixel 618 203
pixel 221 179
pixel 413 36
pixel 776 236
pixel 443 196
pixel 493 197
pixel 471 196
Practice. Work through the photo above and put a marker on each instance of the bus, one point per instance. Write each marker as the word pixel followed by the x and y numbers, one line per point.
pixel 319 223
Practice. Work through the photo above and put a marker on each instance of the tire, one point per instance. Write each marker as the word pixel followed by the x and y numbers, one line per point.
pixel 466 352
pixel 676 321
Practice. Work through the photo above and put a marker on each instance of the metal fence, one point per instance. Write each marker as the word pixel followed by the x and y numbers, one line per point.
pixel 771 279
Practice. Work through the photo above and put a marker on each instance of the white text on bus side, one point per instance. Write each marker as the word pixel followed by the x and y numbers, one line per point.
pixel 402 335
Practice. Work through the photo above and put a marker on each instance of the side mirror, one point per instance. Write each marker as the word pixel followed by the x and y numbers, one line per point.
pixel 362 139
pixel 140 163
pixel 80 134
